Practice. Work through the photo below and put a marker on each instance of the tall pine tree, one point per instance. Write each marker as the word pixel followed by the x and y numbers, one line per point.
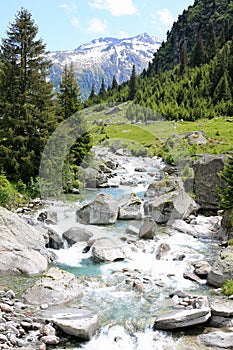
pixel 69 96
pixel 132 84
pixel 70 104
pixel 26 106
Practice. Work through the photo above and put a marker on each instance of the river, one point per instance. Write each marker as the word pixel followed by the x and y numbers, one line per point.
pixel 128 295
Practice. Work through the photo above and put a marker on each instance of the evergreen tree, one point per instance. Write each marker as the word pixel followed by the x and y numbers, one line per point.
pixel 69 96
pixel 70 106
pixel 132 84
pixel 102 91
pixel 114 83
pixel 183 60
pixel 199 54
pixel 92 94
pixel 26 105
pixel 222 91
pixel 227 191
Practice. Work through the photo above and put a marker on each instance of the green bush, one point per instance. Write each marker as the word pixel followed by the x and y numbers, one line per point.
pixel 8 195
pixel 227 288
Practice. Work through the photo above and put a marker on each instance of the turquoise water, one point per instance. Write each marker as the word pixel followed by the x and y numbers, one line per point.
pixel 87 268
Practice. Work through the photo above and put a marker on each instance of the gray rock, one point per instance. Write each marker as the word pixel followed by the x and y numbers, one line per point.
pixel 132 230
pixel 196 138
pixel 181 319
pixel 222 308
pixel 104 168
pixel 109 249
pixel 162 250
pixel 101 211
pixel 169 207
pixel 222 269
pixel 130 208
pixel 172 203
pixel 92 177
pixel 50 339
pixel 55 241
pixel 197 231
pixel 111 164
pixel 159 188
pixel 22 247
pixel 147 229
pixel 206 180
pixel 81 323
pixel 77 234
pixel 202 268
pixel 217 339
pixel 220 322
pixel 55 287
pixel 192 277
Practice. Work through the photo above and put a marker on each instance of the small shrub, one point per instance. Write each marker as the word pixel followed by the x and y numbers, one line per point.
pixel 230 241
pixel 8 194
pixel 227 288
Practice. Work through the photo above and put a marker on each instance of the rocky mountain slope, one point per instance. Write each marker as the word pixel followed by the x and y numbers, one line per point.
pixel 104 58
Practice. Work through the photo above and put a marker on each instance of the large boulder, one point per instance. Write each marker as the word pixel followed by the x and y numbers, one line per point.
pixel 159 188
pixel 53 288
pixel 92 177
pixel 168 201
pixel 206 180
pixel 222 269
pixel 76 234
pixel 22 247
pixel 109 249
pixel 79 323
pixel 171 206
pixel 103 210
pixel 130 208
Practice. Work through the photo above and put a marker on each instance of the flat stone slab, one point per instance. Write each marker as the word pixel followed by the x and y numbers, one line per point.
pixel 224 308
pixel 53 288
pixel 80 323
pixel 181 319
pixel 218 339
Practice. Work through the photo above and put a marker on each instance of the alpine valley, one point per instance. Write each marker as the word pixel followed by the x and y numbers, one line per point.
pixel 105 58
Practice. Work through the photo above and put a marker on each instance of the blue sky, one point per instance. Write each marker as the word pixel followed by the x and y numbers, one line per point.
pixel 66 24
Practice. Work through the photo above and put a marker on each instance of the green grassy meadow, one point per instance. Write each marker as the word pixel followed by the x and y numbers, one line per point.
pixel 153 135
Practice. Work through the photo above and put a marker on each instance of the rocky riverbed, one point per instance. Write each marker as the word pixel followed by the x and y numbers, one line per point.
pixel 132 261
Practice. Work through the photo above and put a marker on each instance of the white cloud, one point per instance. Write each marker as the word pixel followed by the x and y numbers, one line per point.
pixel 75 22
pixel 69 8
pixel 122 34
pixel 97 26
pixel 115 7
pixel 165 17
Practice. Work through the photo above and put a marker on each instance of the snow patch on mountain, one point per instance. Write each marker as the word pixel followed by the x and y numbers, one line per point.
pixel 104 58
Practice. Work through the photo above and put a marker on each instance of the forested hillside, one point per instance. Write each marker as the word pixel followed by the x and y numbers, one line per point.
pixel 191 75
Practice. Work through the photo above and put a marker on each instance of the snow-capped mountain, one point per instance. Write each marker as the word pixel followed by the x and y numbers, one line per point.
pixel 104 58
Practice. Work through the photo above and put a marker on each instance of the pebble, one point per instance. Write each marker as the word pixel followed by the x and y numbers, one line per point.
pixel 20 331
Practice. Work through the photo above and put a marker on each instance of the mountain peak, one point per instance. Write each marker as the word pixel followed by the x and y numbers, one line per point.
pixel 144 37
pixel 105 57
